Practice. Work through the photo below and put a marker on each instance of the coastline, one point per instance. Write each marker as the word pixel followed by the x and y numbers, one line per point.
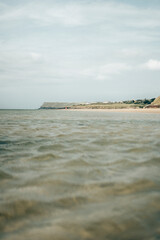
pixel 129 110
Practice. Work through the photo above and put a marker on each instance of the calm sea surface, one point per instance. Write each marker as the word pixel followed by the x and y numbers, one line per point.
pixel 79 175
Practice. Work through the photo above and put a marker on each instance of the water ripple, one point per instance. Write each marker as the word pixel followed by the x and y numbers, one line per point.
pixel 79 175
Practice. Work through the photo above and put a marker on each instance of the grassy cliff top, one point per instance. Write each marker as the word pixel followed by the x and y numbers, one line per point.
pixel 55 105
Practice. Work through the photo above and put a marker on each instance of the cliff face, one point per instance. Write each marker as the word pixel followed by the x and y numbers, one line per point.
pixel 56 105
pixel 156 101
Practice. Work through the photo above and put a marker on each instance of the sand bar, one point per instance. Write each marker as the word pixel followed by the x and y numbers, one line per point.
pixel 129 110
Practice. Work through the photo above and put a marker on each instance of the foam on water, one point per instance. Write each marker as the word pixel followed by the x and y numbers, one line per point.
pixel 79 175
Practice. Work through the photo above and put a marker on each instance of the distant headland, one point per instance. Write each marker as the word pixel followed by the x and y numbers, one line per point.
pixel 128 104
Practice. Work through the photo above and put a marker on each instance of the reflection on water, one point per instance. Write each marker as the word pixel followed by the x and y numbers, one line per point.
pixel 79 175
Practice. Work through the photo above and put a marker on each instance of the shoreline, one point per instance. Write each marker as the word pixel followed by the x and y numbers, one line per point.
pixel 129 110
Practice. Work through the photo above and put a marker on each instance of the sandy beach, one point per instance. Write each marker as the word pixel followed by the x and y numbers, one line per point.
pixel 129 110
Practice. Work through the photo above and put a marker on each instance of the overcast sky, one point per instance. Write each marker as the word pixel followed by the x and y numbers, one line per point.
pixel 78 50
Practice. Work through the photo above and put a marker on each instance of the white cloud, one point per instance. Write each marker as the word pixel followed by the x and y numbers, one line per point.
pixel 35 56
pixel 110 69
pixel 153 64
pixel 129 52
pixel 86 13
pixel 107 71
pixel 44 14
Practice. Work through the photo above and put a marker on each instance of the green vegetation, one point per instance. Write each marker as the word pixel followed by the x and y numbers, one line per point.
pixel 139 103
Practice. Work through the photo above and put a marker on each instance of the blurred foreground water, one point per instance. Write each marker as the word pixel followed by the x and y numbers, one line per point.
pixel 79 175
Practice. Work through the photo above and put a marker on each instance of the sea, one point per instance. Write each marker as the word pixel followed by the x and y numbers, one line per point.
pixel 79 175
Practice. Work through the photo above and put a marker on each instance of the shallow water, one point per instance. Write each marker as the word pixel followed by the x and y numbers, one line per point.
pixel 79 175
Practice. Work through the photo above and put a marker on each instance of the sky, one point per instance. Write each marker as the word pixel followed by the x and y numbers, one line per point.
pixel 78 51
